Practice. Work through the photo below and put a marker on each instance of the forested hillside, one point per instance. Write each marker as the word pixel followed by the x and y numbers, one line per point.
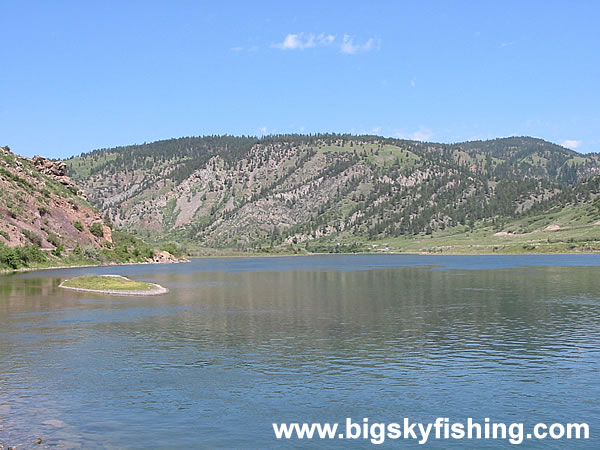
pixel 329 191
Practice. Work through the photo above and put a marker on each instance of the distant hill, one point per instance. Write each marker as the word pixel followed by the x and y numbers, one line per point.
pixel 329 192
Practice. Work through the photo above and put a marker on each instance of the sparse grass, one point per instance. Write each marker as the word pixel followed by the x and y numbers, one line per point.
pixel 170 213
pixel 107 283
pixel 81 167
pixel 376 154
pixel 572 239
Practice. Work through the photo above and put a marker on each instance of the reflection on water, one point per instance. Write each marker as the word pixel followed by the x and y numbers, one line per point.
pixel 228 352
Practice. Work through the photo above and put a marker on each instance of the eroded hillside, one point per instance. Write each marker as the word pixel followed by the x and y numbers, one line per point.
pixel 251 193
pixel 40 205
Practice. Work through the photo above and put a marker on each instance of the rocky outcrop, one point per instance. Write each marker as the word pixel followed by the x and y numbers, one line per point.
pixel 48 167
pixel 163 257
pixel 55 169
pixel 39 205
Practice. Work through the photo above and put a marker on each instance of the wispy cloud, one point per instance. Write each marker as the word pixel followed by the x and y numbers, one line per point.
pixel 254 48
pixel 422 134
pixel 413 82
pixel 300 41
pixel 349 47
pixel 506 44
pixel 571 143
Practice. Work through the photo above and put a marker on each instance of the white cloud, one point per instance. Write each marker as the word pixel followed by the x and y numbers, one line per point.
pixel 413 82
pixel 349 47
pixel 506 44
pixel 300 41
pixel 422 134
pixel 254 48
pixel 571 143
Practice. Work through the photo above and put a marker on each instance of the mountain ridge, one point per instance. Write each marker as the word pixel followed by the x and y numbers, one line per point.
pixel 288 191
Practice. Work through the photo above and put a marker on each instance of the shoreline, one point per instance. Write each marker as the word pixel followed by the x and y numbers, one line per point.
pixel 82 266
pixel 285 255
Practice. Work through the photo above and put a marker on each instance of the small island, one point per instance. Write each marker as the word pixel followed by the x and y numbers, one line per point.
pixel 112 284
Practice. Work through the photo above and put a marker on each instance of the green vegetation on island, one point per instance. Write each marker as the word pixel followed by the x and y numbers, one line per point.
pixel 107 283
pixel 112 284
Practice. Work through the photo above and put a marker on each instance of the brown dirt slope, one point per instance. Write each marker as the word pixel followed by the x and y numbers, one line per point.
pixel 39 204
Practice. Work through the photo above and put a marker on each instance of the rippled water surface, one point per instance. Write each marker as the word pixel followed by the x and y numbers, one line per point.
pixel 238 344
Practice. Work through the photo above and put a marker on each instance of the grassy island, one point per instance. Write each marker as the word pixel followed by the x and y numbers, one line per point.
pixel 112 284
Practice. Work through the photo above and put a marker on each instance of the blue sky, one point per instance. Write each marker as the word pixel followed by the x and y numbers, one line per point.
pixel 75 76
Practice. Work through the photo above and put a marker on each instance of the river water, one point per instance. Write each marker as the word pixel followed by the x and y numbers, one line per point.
pixel 241 343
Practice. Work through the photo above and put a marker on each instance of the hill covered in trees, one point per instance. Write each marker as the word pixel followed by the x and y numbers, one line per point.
pixel 334 192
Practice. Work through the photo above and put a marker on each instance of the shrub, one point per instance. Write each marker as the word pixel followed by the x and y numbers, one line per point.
pixel 122 253
pixel 90 252
pixel 58 250
pixel 43 210
pixel 31 253
pixel 147 253
pixel 33 238
pixel 53 239
pixel 8 257
pixel 78 226
pixel 96 229
pixel 172 248
pixel 20 256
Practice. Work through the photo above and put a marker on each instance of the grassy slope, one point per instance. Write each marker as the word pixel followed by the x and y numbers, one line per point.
pixel 578 232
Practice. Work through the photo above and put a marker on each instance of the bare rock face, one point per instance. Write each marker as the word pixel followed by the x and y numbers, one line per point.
pixel 47 167
pixel 107 232
pixel 54 169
